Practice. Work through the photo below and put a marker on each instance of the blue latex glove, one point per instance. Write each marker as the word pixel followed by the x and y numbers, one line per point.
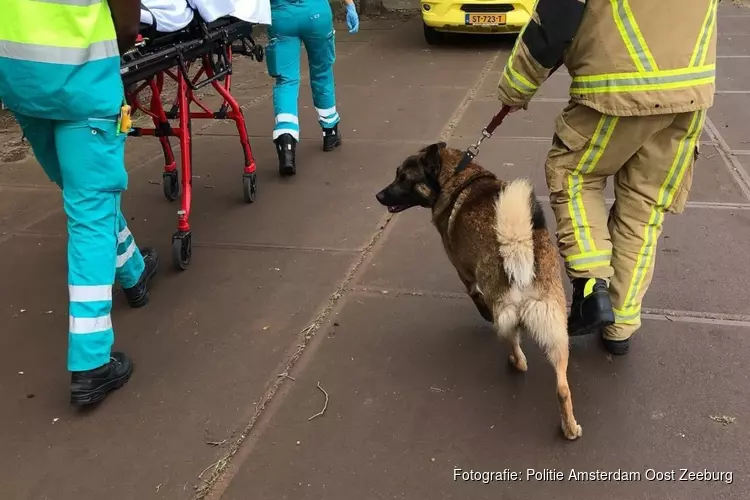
pixel 352 19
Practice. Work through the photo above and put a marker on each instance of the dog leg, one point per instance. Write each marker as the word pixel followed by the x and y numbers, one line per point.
pixel 517 358
pixel 559 358
pixel 478 298
pixel 506 320
pixel 546 323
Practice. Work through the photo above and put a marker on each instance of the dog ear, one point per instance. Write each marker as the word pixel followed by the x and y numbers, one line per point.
pixel 432 158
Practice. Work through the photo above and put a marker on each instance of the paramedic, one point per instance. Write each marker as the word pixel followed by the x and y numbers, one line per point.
pixel 60 75
pixel 294 22
pixel 638 101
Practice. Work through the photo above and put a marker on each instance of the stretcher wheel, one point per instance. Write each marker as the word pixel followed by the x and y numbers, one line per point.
pixel 182 249
pixel 259 53
pixel 171 185
pixel 250 187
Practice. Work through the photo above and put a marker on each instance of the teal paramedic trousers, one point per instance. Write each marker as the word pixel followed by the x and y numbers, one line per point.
pixel 294 22
pixel 87 160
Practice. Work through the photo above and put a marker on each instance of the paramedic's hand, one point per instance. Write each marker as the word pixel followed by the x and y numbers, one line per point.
pixel 352 19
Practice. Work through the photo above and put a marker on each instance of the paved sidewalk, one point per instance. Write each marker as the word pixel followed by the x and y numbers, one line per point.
pixel 316 281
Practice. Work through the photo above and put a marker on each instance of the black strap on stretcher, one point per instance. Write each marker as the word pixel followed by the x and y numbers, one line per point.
pixel 473 150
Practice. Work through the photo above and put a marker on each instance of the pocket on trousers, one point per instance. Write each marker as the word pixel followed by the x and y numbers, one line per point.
pixel 272 58
pixel 104 156
pixel 562 158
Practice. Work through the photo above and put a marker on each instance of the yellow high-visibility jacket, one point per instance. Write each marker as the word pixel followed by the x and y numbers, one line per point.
pixel 626 57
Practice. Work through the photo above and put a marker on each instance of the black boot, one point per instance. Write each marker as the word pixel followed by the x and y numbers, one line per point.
pixel 286 148
pixel 92 386
pixel 138 295
pixel 616 347
pixel 331 138
pixel 591 310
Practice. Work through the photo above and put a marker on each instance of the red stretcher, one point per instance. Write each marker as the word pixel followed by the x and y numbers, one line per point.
pixel 155 56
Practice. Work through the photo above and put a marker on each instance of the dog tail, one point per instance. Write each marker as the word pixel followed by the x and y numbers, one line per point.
pixel 516 214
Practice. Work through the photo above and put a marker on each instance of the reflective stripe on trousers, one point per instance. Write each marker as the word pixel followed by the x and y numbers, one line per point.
pixel 630 310
pixel 588 255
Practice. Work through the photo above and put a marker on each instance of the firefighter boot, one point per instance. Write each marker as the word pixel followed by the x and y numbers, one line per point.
pixel 286 148
pixel 331 138
pixel 591 309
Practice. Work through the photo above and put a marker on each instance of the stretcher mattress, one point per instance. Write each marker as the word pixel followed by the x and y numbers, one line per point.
pixel 169 16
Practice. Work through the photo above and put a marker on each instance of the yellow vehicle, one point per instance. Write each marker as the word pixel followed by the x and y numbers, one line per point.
pixel 474 16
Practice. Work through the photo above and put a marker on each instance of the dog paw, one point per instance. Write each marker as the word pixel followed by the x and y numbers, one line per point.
pixel 572 432
pixel 518 363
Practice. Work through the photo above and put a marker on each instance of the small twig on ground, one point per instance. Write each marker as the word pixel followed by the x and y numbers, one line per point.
pixel 216 465
pixel 286 375
pixel 723 419
pixel 216 443
pixel 325 405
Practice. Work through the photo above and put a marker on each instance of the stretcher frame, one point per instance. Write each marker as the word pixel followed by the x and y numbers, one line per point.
pixel 159 55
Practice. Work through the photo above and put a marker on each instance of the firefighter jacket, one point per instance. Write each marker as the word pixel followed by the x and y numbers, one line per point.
pixel 626 57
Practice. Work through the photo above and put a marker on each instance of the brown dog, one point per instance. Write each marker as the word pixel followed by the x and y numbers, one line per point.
pixel 495 235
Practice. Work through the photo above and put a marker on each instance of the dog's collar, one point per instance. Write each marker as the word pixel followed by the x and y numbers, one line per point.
pixel 466 159
pixel 449 204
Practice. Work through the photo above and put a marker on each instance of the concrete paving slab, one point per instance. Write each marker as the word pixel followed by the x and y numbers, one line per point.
pixel 538 121
pixel 731 115
pixel 427 393
pixel 688 275
pixel 730 22
pixel 288 212
pixel 732 75
pixel 398 72
pixel 732 45
pixel 20 208
pixel 367 112
pixel 204 349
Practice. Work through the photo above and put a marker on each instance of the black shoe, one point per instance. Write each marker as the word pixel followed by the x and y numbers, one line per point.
pixel 138 295
pixel 616 347
pixel 591 310
pixel 92 386
pixel 331 138
pixel 286 148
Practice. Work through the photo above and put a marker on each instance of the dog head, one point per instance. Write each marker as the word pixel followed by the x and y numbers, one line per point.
pixel 416 182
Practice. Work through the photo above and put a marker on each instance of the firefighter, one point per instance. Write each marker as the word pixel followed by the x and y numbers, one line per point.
pixel 60 76
pixel 638 101
pixel 294 22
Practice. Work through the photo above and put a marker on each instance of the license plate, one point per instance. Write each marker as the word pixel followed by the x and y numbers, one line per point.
pixel 485 19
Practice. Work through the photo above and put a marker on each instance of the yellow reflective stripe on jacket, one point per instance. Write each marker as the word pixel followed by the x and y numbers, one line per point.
pixel 56 24
pixel 667 192
pixel 586 165
pixel 59 55
pixel 701 45
pixel 632 36
pixel 589 260
pixel 640 82
pixel 515 79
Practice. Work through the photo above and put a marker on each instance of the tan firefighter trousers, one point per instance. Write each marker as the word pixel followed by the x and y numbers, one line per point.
pixel 650 159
